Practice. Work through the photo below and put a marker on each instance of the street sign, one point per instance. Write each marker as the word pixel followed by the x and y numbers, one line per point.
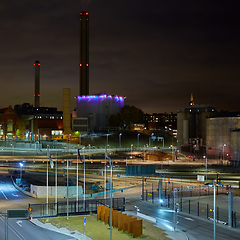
pixel 17 213
pixel 84 220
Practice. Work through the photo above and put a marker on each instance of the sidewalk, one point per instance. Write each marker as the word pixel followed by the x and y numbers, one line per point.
pixel 75 234
pixel 165 225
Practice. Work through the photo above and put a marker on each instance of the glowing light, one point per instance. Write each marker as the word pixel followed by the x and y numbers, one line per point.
pixel 100 97
pixel 80 64
pixel 87 64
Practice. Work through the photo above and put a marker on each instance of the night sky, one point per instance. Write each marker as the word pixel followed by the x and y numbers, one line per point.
pixel 154 52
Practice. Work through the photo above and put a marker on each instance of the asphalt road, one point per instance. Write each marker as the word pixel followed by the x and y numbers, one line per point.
pixel 19 229
pixel 194 227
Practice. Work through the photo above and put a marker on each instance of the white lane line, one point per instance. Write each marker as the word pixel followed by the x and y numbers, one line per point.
pixel 19 223
pixel 189 219
pixel 4 194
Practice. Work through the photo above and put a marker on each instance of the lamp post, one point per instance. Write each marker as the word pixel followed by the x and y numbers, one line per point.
pixel 224 145
pixel 138 139
pixel 206 165
pixel 120 134
pixel 69 143
pixel 107 139
pixel 48 154
pixel 67 189
pixel 89 152
pixel 21 165
pixel 131 150
pixel 79 140
pixel 13 151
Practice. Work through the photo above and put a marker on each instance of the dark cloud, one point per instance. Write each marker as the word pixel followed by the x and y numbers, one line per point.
pixel 154 52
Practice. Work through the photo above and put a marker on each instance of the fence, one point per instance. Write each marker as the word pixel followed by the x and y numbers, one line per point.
pixel 74 207
pixel 194 207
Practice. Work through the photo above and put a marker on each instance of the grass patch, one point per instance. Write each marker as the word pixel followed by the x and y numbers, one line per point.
pixel 98 230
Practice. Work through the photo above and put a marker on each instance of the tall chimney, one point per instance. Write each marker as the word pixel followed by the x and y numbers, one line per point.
pixel 84 53
pixel 37 84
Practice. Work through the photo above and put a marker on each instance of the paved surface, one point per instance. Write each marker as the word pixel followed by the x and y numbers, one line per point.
pixel 176 234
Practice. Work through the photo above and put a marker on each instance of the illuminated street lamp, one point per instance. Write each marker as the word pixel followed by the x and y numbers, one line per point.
pixel 89 152
pixel 224 145
pixel 120 134
pixel 13 151
pixel 21 165
pixel 138 139
pixel 206 165
pixel 107 139
pixel 131 150
pixel 69 143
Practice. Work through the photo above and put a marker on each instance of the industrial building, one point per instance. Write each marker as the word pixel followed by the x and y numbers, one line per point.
pixel 191 127
pixel 92 111
pixel 223 136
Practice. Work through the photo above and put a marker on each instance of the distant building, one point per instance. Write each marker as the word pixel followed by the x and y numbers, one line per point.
pixel 164 121
pixel 93 111
pixel 223 136
pixel 11 125
pixel 191 127
pixel 40 122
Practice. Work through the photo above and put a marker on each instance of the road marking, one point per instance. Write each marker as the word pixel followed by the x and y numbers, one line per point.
pixel 14 195
pixel 19 223
pixel 189 219
pixel 4 194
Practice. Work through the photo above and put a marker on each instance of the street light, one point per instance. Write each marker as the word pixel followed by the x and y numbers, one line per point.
pixel 107 139
pixel 13 151
pixel 69 143
pixel 79 140
pixel 89 152
pixel 120 134
pixel 131 150
pixel 21 165
pixel 224 145
pixel 138 139
pixel 206 165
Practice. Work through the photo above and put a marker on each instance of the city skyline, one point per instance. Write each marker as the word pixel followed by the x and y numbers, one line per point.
pixel 156 54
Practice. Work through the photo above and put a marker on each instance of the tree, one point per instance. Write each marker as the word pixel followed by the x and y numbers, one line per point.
pixel 128 115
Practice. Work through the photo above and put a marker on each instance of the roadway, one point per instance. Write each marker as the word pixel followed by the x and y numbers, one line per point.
pixel 194 227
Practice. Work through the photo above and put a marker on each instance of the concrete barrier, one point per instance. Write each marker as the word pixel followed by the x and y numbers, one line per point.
pixel 23 191
pixel 151 219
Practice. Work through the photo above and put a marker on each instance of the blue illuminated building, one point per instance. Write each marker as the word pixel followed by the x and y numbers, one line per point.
pixel 97 109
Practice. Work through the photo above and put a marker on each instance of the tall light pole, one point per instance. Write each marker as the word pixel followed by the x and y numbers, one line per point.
pixel 224 145
pixel 84 176
pixel 120 134
pixel 206 165
pixel 21 165
pixel 89 152
pixel 107 139
pixel 105 176
pixel 131 150
pixel 79 140
pixel 138 139
pixel 67 189
pixel 214 213
pixel 13 151
pixel 48 155
pixel 69 143
pixel 77 183
pixel 56 180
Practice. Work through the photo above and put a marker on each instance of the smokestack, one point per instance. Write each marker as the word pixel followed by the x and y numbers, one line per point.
pixel 84 53
pixel 37 84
